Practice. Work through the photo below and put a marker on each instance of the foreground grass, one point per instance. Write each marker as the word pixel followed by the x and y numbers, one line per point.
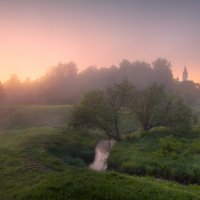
pixel 49 163
pixel 159 153
pixel 88 185
pixel 26 155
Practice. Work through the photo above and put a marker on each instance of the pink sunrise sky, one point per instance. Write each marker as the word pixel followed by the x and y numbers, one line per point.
pixel 36 35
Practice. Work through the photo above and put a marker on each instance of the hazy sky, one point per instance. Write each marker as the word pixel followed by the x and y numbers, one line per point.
pixel 37 34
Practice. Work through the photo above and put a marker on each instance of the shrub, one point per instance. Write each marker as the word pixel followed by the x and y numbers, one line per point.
pixel 195 147
pixel 156 154
pixel 169 146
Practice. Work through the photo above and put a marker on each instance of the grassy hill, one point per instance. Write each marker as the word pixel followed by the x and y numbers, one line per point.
pixel 42 159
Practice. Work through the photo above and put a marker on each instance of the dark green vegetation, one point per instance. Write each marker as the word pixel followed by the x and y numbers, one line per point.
pixel 50 162
pixel 152 107
pixel 155 106
pixel 104 109
pixel 162 152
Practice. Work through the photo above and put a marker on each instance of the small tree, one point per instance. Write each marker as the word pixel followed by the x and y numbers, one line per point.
pixel 103 109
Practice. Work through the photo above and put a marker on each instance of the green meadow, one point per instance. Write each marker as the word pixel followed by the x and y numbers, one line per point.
pixel 42 158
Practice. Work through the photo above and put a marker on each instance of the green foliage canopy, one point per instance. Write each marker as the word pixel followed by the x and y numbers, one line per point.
pixel 152 106
pixel 103 109
pixel 155 107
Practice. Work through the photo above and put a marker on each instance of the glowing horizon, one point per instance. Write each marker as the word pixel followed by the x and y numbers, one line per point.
pixel 36 35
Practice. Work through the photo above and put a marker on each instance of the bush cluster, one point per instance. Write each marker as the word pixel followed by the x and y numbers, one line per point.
pixel 167 157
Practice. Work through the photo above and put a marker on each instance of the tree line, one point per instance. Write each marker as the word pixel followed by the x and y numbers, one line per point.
pixel 63 84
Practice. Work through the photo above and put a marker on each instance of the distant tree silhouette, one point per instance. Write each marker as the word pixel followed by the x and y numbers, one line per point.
pixel 189 90
pixel 162 71
pixel 63 84
pixel 58 84
pixel 14 91
pixel 2 93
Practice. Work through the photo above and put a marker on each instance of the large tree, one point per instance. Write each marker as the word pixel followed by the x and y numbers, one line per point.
pixel 155 107
pixel 103 109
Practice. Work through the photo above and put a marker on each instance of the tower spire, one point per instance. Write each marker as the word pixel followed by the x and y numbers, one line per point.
pixel 185 74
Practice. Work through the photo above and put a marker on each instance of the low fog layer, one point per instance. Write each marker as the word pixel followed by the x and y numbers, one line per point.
pixel 63 84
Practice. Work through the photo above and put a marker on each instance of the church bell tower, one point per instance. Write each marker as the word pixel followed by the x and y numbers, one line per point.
pixel 185 74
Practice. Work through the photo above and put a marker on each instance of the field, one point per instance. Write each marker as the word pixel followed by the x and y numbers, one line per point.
pixel 41 158
pixel 13 117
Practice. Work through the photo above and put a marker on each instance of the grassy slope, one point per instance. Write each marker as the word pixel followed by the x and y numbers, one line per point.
pixel 49 163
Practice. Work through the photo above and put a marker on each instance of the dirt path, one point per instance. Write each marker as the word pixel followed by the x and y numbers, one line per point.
pixel 101 155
